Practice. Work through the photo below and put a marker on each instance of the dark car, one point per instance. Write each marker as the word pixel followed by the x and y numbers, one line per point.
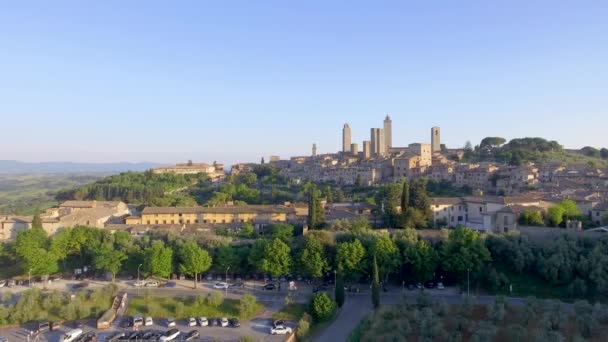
pixel 270 287
pixel 55 326
pixel 429 285
pixel 148 336
pixel 116 337
pixel 136 336
pixel 214 322
pixel 234 322
pixel 411 287
pixel 43 326
pixel 81 285
pixel 278 323
pixel 88 337
pixel 238 284
pixel 218 322
pixel 194 334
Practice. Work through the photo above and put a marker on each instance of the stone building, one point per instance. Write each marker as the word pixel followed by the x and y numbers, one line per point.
pixel 346 138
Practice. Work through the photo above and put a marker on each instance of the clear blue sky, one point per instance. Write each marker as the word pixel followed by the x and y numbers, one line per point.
pixel 236 80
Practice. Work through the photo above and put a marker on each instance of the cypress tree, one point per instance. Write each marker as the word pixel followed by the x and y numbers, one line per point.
pixel 405 197
pixel 312 209
pixel 375 285
pixel 339 290
pixel 36 222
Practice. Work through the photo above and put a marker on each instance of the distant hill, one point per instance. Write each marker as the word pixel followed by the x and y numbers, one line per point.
pixel 13 166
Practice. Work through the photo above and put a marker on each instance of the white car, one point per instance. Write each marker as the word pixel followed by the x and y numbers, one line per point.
pixel 220 285
pixel 148 322
pixel 224 322
pixel 440 286
pixel 152 284
pixel 139 283
pixel 170 322
pixel 170 335
pixel 280 330
pixel 191 322
pixel 203 321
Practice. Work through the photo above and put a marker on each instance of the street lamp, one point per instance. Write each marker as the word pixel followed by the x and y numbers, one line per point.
pixel 226 286
pixel 140 265
pixel 29 277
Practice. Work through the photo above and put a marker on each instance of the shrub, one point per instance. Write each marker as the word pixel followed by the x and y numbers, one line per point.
pixel 247 306
pixel 304 326
pixel 215 299
pixel 322 307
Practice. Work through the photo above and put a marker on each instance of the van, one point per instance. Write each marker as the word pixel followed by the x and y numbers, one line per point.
pixel 71 335
pixel 43 326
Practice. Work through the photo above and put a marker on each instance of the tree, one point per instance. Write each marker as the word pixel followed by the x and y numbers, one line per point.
pixel 387 255
pixel 555 215
pixel 282 231
pixel 389 198
pixel 32 246
pixel 248 305
pixel 531 218
pixel 375 284
pixel 339 293
pixel 419 199
pixel 193 260
pixel 350 256
pixel 322 307
pixel 492 142
pixel 312 260
pixel 158 259
pixel 517 333
pixel 276 260
pixel 359 181
pixel 37 222
pixel 247 230
pixel 497 311
pixel 604 153
pixel 424 260
pixel 464 251
pixel 316 212
pixel 405 197
pixel 108 259
pixel 484 332
pixel 570 209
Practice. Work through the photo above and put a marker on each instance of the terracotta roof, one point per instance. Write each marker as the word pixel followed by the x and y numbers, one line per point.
pixel 446 200
pixel 237 209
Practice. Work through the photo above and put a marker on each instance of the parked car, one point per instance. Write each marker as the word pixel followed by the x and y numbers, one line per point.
pixel 419 286
pixel 440 286
pixel 280 330
pixel 148 322
pixel 55 326
pixel 139 283
pixel 191 322
pixel 170 322
pixel 11 283
pixel 137 321
pixel 270 287
pixel 202 321
pixel 429 285
pixel 220 285
pixel 278 323
pixel 71 335
pixel 147 336
pixel 90 336
pixel 2 283
pixel 152 284
pixel 320 288
pixel 194 334
pixel 411 287
pixel 234 322
pixel 224 322
pixel 170 335
pixel 214 322
pixel 209 277
pixel 43 326
pixel 238 284
pixel 116 337
pixel 81 285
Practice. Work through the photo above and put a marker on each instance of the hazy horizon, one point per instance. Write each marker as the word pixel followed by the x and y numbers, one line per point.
pixel 233 82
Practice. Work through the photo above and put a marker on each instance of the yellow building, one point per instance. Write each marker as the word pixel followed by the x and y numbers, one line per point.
pixel 215 215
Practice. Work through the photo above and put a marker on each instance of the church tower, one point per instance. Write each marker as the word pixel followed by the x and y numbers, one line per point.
pixel 388 133
pixel 346 138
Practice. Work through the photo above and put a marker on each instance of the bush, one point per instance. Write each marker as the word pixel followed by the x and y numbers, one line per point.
pixel 304 326
pixel 215 299
pixel 322 307
pixel 248 306
pixel 179 310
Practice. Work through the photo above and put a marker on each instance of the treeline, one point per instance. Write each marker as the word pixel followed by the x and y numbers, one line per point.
pixel 146 188
pixel 405 204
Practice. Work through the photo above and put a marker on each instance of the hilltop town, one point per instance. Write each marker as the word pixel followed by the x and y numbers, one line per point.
pixel 484 194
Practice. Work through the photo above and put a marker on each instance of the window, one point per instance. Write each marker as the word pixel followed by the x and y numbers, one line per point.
pixel 452 219
pixel 196 221
pixel 187 221
pixel 164 221
pixel 180 215
pixel 459 218
pixel 172 221
pixel 156 221
pixel 481 209
pixel 149 222
pixel 180 222
pixel 436 205
pixel 506 220
pixel 223 221
pixel 459 207
pixel 445 209
pixel 204 221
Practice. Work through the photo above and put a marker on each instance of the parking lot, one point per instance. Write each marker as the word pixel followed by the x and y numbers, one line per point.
pixel 258 329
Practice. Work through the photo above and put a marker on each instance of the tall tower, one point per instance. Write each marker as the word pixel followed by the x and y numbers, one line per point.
pixel 346 139
pixel 314 150
pixel 367 153
pixel 378 144
pixel 388 133
pixel 435 139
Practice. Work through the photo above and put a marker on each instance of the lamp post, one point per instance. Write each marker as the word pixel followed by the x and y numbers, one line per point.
pixel 140 265
pixel 29 277
pixel 226 286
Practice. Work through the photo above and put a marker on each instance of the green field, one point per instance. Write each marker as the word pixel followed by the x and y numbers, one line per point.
pixel 183 307
pixel 26 194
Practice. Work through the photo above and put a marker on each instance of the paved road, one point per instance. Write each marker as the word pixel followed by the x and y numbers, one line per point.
pixel 357 306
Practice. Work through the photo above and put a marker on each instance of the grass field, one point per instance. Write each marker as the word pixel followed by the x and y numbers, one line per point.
pixel 291 312
pixel 182 307
pixel 26 194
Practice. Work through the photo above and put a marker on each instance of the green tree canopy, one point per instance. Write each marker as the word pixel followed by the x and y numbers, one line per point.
pixel 193 260
pixel 312 259
pixel 464 250
pixel 350 257
pixel 108 259
pixel 158 259
pixel 424 260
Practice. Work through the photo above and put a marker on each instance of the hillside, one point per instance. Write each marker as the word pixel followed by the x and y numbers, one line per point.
pixel 14 167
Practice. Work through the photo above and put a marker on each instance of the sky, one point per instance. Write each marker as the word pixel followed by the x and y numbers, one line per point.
pixel 232 81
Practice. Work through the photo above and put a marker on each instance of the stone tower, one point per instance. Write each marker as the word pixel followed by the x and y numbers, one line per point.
pixel 388 133
pixel 314 150
pixel 367 153
pixel 346 138
pixel 378 145
pixel 435 139
pixel 354 149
